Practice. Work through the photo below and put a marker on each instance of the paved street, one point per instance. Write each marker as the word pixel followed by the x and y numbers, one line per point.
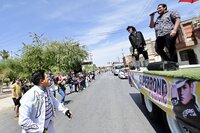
pixel 108 105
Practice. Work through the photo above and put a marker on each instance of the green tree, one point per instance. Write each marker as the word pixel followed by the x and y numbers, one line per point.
pixel 10 69
pixel 59 56
pixel 4 54
pixel 32 57
pixel 66 55
pixel 43 54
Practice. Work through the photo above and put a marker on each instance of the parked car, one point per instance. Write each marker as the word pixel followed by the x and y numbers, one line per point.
pixel 116 69
pixel 123 73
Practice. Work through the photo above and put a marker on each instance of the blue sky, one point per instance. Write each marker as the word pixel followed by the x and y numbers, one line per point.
pixel 98 24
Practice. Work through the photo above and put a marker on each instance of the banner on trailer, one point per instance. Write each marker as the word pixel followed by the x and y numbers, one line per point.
pixel 156 87
pixel 182 96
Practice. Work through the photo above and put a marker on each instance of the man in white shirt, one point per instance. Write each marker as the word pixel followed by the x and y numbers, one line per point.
pixel 36 112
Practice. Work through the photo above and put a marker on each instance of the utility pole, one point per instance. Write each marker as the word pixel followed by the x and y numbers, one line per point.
pixel 123 57
pixel 122 52
pixel 118 59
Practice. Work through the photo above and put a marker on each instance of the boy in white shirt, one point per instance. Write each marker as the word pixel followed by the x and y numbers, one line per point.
pixel 36 112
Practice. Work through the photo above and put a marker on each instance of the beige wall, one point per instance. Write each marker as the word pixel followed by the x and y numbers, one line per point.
pixel 189 39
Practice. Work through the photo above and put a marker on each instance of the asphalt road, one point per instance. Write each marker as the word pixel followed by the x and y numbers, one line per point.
pixel 108 105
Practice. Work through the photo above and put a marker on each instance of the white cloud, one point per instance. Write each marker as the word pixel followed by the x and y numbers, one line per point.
pixel 112 50
pixel 92 22
pixel 149 33
pixel 110 53
pixel 96 35
pixel 111 22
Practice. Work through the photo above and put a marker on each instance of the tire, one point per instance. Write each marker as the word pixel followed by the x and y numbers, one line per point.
pixel 142 99
pixel 154 112
pixel 175 126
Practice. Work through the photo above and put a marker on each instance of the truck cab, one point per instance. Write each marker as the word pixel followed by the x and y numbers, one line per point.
pixel 116 68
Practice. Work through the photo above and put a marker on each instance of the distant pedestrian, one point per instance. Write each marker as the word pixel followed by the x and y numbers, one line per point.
pixel 25 86
pixel 59 76
pixel 70 82
pixel 36 112
pixel 16 95
pixel 53 86
pixel 62 89
pixel 49 74
pixel 93 75
pixel 87 80
pixel 76 83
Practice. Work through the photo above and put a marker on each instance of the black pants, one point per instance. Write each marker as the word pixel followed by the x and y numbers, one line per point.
pixel 16 101
pixel 141 51
pixel 168 42
pixel 76 87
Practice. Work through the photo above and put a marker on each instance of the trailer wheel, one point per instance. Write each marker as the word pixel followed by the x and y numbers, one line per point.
pixel 153 111
pixel 175 126
pixel 148 104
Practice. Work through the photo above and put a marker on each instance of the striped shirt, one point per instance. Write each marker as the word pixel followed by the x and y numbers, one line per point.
pixel 48 110
pixel 165 23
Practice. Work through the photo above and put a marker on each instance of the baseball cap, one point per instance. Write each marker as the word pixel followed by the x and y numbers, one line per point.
pixel 180 83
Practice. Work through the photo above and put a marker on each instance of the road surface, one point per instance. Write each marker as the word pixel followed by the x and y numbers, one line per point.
pixel 108 105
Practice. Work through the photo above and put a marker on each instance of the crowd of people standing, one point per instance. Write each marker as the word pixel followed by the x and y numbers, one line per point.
pixel 75 82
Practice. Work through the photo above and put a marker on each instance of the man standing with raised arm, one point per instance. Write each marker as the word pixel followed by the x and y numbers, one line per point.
pixel 166 26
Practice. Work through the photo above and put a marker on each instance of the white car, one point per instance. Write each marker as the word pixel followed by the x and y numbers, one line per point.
pixel 123 73
pixel 116 69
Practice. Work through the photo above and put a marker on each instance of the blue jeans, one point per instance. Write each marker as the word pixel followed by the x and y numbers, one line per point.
pixel 71 87
pixel 62 93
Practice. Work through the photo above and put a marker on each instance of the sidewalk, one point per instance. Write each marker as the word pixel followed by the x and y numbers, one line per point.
pixel 6 102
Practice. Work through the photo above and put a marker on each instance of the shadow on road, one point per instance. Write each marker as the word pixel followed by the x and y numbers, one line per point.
pixel 158 127
pixel 67 102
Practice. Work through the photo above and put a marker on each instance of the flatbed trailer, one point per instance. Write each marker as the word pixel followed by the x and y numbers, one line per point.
pixel 171 96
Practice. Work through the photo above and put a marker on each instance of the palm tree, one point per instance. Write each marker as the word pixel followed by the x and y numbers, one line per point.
pixel 4 54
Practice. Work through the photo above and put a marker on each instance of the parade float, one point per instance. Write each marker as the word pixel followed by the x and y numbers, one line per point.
pixel 171 96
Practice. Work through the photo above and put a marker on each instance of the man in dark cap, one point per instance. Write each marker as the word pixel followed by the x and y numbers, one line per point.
pixel 138 44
